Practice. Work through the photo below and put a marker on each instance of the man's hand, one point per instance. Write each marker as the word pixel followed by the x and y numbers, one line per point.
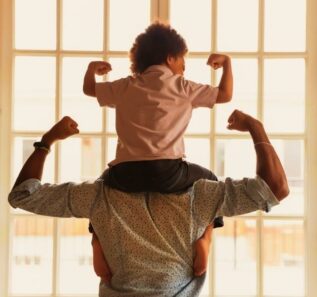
pixel 100 67
pixel 66 127
pixel 217 60
pixel 241 121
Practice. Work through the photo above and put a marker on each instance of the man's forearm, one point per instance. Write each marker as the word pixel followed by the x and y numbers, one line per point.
pixel 226 83
pixel 90 82
pixel 33 167
pixel 268 166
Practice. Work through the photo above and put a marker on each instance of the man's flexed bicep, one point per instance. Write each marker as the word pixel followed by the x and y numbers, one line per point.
pixel 245 196
pixel 231 198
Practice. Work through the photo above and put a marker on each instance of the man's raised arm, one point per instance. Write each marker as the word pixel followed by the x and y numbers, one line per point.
pixel 33 167
pixel 269 167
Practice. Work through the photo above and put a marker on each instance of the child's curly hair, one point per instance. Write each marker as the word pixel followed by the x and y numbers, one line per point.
pixel 154 46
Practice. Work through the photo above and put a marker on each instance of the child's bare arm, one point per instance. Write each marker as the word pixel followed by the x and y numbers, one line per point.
pixel 101 266
pixel 96 67
pixel 226 83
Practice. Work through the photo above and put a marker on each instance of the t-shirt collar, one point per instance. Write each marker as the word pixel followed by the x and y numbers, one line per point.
pixel 158 68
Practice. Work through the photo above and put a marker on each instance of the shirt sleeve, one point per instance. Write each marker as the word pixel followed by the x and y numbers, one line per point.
pixel 56 200
pixel 200 95
pixel 108 93
pixel 231 198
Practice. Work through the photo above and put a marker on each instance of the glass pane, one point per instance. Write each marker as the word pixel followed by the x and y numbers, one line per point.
pixel 82 24
pixel 205 289
pixel 284 95
pixel 291 154
pixel 83 109
pixel 32 256
pixel 75 261
pixel 238 25
pixel 245 92
pixel 34 93
pixel 283 258
pixel 235 256
pixel 235 158
pixel 127 20
pixel 35 24
pixel 22 149
pixel 198 71
pixel 193 22
pixel 120 68
pixel 111 149
pixel 197 150
pixel 285 25
pixel 80 159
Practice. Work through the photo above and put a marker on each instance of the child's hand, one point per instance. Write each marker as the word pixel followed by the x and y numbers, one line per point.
pixel 64 128
pixel 100 67
pixel 217 60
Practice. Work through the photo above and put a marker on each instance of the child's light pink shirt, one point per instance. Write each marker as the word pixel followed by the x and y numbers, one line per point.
pixel 152 112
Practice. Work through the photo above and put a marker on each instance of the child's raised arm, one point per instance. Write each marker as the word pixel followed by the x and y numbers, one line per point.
pixel 226 83
pixel 96 67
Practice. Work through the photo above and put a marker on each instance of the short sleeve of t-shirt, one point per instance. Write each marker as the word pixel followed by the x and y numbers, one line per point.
pixel 108 93
pixel 200 95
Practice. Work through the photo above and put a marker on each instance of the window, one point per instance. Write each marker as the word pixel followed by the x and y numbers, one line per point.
pixel 253 250
pixel 47 50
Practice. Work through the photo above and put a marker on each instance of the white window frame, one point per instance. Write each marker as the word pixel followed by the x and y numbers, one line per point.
pixel 160 8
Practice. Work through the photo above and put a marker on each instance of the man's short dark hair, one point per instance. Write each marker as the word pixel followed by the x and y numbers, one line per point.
pixel 154 46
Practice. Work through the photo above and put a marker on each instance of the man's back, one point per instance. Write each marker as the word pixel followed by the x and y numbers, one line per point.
pixel 147 238
pixel 148 242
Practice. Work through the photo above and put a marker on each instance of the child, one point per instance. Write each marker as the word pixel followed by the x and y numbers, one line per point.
pixel 153 109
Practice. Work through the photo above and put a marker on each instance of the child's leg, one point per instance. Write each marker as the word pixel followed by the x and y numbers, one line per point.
pixel 101 266
pixel 202 246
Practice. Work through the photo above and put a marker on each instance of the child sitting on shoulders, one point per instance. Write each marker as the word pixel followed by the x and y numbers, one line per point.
pixel 153 109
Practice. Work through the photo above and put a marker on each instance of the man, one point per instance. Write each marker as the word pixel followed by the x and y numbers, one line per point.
pixel 151 248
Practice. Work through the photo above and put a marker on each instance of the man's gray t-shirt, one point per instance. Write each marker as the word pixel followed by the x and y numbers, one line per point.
pixel 147 238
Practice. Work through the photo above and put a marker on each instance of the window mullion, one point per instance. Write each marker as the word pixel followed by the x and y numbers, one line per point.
pixel 213 137
pixel 311 148
pixel 58 92
pixel 163 10
pixel 6 72
pixel 104 138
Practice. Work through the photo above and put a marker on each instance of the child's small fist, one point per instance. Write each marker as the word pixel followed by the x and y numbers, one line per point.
pixel 217 60
pixel 100 67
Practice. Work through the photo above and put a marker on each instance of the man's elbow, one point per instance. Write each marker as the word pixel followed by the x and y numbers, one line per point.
pixel 12 201
pixel 281 190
